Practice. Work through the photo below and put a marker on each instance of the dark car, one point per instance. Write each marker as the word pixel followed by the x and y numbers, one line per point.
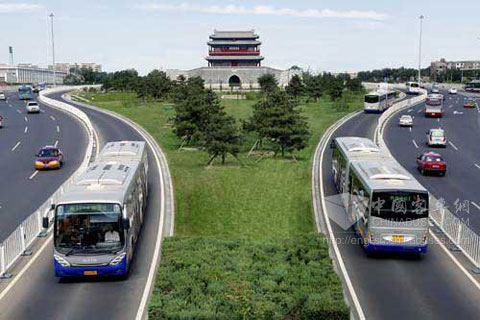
pixel 49 157
pixel 431 162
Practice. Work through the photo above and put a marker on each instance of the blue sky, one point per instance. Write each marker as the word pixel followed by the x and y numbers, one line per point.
pixel 347 35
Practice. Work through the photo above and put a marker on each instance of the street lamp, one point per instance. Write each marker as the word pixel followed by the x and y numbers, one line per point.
pixel 420 49
pixel 53 52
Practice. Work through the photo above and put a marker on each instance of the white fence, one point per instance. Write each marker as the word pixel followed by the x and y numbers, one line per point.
pixel 459 233
pixel 18 241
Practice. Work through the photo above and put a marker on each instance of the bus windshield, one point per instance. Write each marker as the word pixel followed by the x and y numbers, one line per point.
pixel 371 98
pixel 414 85
pixel 24 89
pixel 88 228
pixel 434 102
pixel 399 206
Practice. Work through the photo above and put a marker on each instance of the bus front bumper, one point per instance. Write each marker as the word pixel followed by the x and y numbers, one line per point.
pixel 395 248
pixel 88 271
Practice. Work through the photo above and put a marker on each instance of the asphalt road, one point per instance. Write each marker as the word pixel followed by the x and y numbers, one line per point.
pixel 400 286
pixel 22 190
pixel 459 188
pixel 42 296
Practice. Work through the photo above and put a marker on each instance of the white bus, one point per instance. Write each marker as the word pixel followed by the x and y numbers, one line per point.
pixel 378 101
pixel 413 87
pixel 98 219
pixel 386 205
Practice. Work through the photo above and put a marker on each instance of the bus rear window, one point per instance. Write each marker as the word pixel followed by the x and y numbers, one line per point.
pixel 370 98
pixel 399 206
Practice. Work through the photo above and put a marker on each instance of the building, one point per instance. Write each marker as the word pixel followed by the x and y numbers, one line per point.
pixel 351 74
pixel 234 49
pixel 234 62
pixel 437 67
pixel 66 67
pixel 29 74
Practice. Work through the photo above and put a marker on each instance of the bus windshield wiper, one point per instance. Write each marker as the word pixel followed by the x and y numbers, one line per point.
pixel 69 252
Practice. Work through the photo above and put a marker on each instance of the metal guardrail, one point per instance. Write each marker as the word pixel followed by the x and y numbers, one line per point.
pixel 16 244
pixel 459 233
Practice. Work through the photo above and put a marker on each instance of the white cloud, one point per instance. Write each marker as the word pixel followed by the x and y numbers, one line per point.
pixel 266 10
pixel 18 7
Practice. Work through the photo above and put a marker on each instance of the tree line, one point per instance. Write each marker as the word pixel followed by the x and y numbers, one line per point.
pixel 392 75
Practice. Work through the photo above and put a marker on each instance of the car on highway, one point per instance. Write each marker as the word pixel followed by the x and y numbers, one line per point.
pixel 452 90
pixel 3 96
pixel 435 89
pixel 1 121
pixel 436 138
pixel 33 107
pixel 469 103
pixel 431 162
pixel 406 121
pixel 49 157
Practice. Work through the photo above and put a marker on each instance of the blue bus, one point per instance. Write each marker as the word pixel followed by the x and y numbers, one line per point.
pixel 25 93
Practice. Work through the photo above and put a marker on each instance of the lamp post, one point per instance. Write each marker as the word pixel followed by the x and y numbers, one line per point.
pixel 53 52
pixel 420 49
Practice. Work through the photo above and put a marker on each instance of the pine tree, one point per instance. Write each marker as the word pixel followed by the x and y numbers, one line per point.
pixel 295 87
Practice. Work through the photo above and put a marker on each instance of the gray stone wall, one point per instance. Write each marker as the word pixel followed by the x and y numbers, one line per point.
pixel 219 78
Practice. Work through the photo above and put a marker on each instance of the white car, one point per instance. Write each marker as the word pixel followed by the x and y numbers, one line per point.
pixel 406 121
pixel 3 96
pixel 33 107
pixel 436 138
pixel 435 89
pixel 452 91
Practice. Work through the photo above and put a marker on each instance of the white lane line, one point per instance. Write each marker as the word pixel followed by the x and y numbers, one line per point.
pixel 56 143
pixel 26 119
pixel 438 119
pixel 52 117
pixel 26 129
pixel 475 205
pixel 19 111
pixel 450 106
pixel 419 111
pixel 33 175
pixel 58 128
pixel 453 146
pixel 415 144
pixel 476 165
pixel 410 128
pixel 16 146
pixel 409 110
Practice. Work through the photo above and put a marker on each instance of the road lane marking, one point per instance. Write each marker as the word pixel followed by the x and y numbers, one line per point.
pixel 410 129
pixel 56 143
pixel 453 146
pixel 52 117
pixel 19 111
pixel 33 175
pixel 475 205
pixel 420 110
pixel 415 144
pixel 16 146
pixel 26 129
pixel 58 128
pixel 409 110
pixel 26 119
pixel 450 106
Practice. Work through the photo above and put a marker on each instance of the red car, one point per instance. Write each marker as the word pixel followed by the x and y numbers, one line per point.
pixel 49 157
pixel 431 162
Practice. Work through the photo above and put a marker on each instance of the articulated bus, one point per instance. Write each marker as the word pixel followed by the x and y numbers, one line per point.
pixel 413 87
pixel 386 205
pixel 378 101
pixel 25 93
pixel 98 219
pixel 473 86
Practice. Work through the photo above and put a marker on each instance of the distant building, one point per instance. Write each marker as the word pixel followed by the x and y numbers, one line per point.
pixel 66 67
pixel 29 74
pixel 437 67
pixel 352 74
pixel 234 62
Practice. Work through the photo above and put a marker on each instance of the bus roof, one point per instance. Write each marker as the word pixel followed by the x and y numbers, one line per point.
pixel 122 150
pixel 102 182
pixel 385 174
pixel 359 148
pixel 380 92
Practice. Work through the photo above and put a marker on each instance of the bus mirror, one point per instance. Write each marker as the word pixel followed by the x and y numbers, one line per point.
pixel 45 222
pixel 332 144
pixel 126 223
pixel 52 207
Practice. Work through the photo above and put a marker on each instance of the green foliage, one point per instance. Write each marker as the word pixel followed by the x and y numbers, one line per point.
pixel 354 85
pixel 268 83
pixel 125 80
pixel 313 86
pixel 392 75
pixel 275 118
pixel 295 87
pixel 204 278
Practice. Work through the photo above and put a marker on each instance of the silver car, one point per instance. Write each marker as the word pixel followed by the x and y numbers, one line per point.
pixel 406 121
pixel 33 107
pixel 436 138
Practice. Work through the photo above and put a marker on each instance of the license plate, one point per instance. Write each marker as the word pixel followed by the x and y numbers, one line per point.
pixel 90 273
pixel 397 239
pixel 436 166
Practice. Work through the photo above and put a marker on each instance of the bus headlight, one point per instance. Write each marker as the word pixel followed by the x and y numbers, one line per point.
pixel 117 259
pixel 61 261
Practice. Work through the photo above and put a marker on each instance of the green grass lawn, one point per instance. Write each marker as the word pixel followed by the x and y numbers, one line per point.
pixel 244 247
pixel 265 199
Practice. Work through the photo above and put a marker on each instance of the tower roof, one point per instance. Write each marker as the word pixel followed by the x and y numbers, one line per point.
pixel 234 34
